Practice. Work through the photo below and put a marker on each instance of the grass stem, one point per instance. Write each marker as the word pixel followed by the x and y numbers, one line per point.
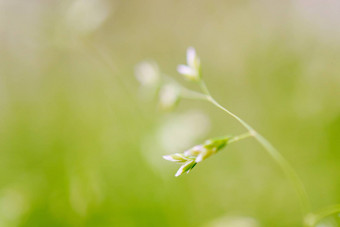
pixel 272 151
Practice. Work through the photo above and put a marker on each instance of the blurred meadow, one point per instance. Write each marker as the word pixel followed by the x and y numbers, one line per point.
pixel 81 143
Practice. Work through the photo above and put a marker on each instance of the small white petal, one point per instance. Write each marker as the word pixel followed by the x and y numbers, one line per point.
pixel 191 57
pixel 203 155
pixel 196 150
pixel 188 73
pixel 169 158
pixel 199 148
pixel 180 156
pixel 180 171
pixel 184 168
pixel 187 152
pixel 186 70
pixel 147 73
pixel 169 95
pixel 199 158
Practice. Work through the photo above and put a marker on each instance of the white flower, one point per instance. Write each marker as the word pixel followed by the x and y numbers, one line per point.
pixel 180 131
pixel 147 73
pixel 233 221
pixel 85 16
pixel 169 96
pixel 192 70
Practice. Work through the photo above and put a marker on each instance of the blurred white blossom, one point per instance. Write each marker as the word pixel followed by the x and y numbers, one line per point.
pixel 169 96
pixel 191 71
pixel 147 73
pixel 233 221
pixel 181 131
pixel 87 15
pixel 175 134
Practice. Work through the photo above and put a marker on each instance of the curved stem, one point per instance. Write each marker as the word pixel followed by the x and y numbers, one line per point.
pixel 239 137
pixel 272 151
pixel 185 92
pixel 189 94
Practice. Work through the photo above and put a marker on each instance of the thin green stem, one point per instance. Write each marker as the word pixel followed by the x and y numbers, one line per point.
pixel 272 151
pixel 189 94
pixel 240 137
pixel 185 92
pixel 213 101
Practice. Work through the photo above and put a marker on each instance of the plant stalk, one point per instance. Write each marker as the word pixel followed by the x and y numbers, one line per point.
pixel 239 137
pixel 272 151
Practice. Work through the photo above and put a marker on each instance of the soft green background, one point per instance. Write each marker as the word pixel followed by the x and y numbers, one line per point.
pixel 73 127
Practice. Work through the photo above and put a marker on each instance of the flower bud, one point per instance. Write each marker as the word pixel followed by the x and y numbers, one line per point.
pixel 210 147
pixel 197 154
pixel 217 143
pixel 192 70
pixel 192 59
pixel 186 167
pixel 203 155
pixel 177 157
pixel 196 150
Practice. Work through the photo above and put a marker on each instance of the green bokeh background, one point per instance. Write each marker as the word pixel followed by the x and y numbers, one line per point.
pixel 73 126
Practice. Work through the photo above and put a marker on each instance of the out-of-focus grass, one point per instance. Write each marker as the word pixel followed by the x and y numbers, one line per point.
pixel 76 139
